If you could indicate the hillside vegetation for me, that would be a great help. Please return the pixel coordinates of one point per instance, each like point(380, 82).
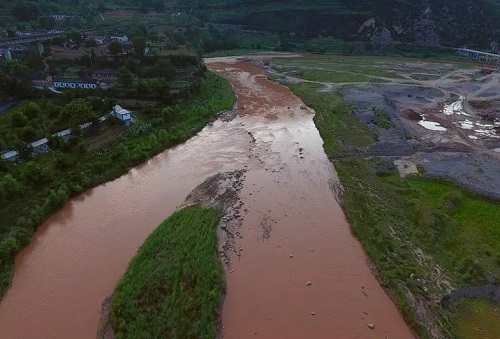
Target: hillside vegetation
point(443, 22)
point(424, 23)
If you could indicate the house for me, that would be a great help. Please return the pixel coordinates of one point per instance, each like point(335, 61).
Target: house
point(75, 83)
point(63, 134)
point(10, 155)
point(118, 15)
point(105, 74)
point(40, 80)
point(106, 83)
point(6, 54)
point(123, 38)
point(40, 146)
point(100, 40)
point(59, 17)
point(122, 114)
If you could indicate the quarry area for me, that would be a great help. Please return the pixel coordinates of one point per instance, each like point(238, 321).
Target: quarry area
point(442, 117)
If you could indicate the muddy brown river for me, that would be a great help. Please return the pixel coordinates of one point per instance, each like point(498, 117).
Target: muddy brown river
point(293, 232)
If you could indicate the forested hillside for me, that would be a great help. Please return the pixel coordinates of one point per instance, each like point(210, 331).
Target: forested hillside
point(429, 23)
point(436, 22)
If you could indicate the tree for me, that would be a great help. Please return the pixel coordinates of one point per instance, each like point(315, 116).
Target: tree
point(75, 36)
point(55, 142)
point(126, 77)
point(34, 60)
point(91, 43)
point(179, 38)
point(26, 11)
point(115, 48)
point(139, 45)
point(77, 111)
point(53, 70)
point(159, 87)
point(18, 119)
point(47, 22)
point(33, 173)
point(159, 5)
point(31, 110)
point(163, 69)
point(131, 65)
point(62, 161)
point(28, 134)
point(121, 153)
point(52, 110)
point(9, 187)
point(57, 198)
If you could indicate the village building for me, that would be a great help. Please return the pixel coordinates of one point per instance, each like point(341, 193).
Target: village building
point(105, 74)
point(40, 146)
point(100, 40)
point(122, 114)
point(76, 83)
point(123, 38)
point(5, 53)
point(40, 80)
point(116, 15)
point(59, 17)
point(10, 155)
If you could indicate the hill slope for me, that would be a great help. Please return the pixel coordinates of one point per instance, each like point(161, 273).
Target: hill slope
point(436, 22)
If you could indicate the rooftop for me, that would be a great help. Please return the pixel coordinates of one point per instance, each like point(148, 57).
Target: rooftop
point(76, 80)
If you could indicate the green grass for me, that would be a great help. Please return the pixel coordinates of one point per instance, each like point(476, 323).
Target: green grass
point(236, 52)
point(173, 286)
point(479, 320)
point(331, 76)
point(382, 120)
point(340, 69)
point(379, 218)
point(460, 230)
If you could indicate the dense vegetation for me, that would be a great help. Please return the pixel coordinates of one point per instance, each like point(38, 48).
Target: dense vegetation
point(32, 190)
point(452, 22)
point(426, 23)
point(173, 286)
point(395, 219)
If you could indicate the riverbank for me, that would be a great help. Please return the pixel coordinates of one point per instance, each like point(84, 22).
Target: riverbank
point(425, 237)
point(23, 216)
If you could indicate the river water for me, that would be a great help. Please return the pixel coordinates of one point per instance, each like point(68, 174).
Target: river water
point(293, 232)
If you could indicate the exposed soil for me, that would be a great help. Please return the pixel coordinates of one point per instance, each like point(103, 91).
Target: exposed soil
point(472, 127)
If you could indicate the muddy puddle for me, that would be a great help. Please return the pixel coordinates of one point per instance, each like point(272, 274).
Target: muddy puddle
point(293, 232)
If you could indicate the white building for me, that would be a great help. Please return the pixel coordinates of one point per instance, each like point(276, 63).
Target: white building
point(120, 38)
point(10, 155)
point(122, 114)
point(75, 83)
